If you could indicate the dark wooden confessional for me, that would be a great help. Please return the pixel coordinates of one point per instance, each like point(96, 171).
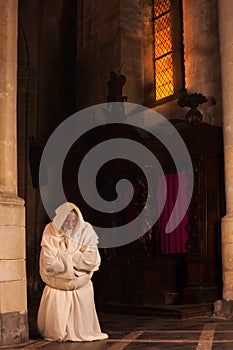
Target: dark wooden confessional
point(157, 269)
point(147, 273)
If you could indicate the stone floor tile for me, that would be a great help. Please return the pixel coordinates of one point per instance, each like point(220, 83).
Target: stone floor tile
point(133, 332)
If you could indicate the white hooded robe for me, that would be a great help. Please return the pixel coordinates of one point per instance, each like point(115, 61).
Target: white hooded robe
point(67, 308)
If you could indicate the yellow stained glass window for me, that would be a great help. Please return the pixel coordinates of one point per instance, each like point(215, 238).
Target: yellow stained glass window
point(164, 71)
point(161, 6)
point(164, 84)
point(164, 77)
point(162, 30)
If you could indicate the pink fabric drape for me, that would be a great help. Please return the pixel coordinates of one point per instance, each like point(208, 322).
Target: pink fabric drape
point(175, 241)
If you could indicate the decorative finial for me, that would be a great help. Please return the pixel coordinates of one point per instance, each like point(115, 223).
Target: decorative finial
point(115, 86)
point(192, 101)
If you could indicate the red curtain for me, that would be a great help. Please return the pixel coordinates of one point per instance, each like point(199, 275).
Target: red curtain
point(174, 242)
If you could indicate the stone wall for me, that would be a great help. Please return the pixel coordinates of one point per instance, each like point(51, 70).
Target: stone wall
point(109, 37)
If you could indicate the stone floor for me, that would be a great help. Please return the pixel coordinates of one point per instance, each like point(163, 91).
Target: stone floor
point(130, 331)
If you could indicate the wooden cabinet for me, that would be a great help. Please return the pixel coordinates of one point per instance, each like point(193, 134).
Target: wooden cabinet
point(206, 210)
point(139, 273)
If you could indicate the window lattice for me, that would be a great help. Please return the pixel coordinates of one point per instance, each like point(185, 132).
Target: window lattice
point(164, 77)
point(162, 30)
point(163, 66)
point(161, 6)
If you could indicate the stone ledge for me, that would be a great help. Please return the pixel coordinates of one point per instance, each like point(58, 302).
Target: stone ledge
point(175, 311)
point(10, 198)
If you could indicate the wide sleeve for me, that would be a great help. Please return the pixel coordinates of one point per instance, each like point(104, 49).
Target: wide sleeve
point(53, 257)
point(51, 261)
point(87, 261)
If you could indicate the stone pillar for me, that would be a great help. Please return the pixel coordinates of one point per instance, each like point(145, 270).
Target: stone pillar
point(13, 296)
point(226, 51)
point(202, 61)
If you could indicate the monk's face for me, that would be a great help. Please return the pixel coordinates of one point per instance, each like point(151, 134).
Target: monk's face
point(70, 222)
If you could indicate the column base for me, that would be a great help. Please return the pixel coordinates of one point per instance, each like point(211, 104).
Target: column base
point(223, 309)
point(14, 329)
point(227, 256)
point(13, 282)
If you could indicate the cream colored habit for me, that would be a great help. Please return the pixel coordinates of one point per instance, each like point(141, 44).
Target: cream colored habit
point(67, 261)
